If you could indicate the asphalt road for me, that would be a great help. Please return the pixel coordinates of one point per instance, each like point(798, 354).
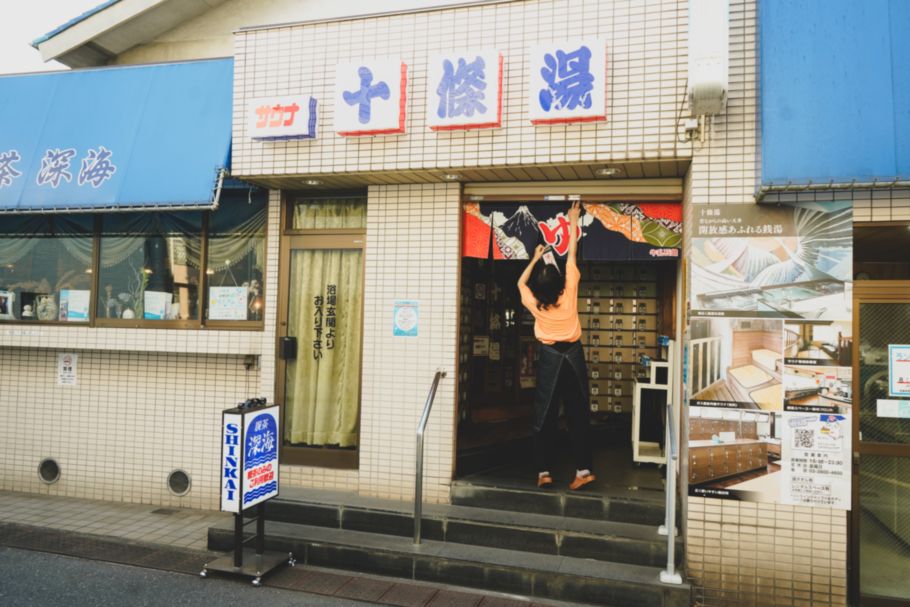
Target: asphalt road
point(35, 579)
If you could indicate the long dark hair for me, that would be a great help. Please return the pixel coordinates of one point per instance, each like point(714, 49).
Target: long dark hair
point(547, 286)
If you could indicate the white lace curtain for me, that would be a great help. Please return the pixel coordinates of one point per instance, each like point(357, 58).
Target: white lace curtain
point(124, 234)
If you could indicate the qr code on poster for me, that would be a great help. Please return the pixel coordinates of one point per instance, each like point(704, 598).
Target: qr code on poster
point(803, 438)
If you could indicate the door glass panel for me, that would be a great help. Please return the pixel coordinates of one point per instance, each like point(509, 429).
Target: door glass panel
point(322, 404)
point(884, 526)
point(880, 324)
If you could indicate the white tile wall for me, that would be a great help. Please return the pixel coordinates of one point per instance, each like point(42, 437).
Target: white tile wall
point(868, 205)
point(131, 419)
point(413, 248)
point(646, 51)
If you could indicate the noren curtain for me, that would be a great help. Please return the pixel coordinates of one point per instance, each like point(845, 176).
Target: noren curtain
point(323, 383)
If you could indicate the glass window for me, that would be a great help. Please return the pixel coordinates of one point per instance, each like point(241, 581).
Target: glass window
point(150, 266)
point(236, 259)
point(45, 268)
point(329, 214)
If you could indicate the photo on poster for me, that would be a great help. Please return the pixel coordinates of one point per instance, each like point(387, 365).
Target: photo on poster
point(776, 261)
point(819, 343)
point(736, 363)
point(814, 388)
point(734, 454)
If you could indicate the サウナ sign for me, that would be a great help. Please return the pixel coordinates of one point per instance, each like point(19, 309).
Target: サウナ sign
point(291, 117)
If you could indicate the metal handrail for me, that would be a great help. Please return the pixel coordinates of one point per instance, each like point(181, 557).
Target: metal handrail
point(670, 575)
point(418, 479)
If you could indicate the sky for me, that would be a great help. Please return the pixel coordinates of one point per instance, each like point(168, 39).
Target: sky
point(25, 20)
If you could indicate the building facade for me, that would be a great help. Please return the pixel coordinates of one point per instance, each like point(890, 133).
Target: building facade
point(373, 229)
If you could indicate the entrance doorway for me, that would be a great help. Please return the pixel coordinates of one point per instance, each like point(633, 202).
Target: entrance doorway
point(624, 305)
point(320, 327)
point(880, 526)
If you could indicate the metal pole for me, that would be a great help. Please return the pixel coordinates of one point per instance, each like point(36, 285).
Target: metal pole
point(418, 475)
point(418, 489)
point(260, 528)
point(670, 575)
point(238, 539)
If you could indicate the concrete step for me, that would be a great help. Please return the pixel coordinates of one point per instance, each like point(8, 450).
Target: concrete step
point(538, 575)
point(527, 532)
point(618, 505)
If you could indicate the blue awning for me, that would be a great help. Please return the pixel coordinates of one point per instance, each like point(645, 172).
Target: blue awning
point(120, 138)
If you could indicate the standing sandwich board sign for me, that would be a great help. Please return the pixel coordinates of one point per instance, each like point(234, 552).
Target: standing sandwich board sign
point(249, 457)
point(249, 476)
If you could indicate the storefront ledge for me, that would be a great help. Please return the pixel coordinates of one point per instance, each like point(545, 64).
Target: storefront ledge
point(132, 340)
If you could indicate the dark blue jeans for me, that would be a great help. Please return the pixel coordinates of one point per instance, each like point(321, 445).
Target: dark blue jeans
point(562, 375)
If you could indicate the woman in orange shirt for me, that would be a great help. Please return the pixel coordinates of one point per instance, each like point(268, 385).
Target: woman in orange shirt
point(561, 370)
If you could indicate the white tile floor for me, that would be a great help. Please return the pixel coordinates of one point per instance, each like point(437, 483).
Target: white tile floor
point(183, 528)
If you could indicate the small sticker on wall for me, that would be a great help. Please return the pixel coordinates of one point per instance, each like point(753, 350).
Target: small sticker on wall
point(66, 369)
point(405, 318)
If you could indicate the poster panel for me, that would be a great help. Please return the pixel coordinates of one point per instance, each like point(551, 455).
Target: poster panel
point(773, 261)
point(816, 452)
point(770, 342)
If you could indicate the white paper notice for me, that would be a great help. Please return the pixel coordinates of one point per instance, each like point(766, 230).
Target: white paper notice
point(899, 409)
point(156, 305)
point(74, 305)
point(66, 369)
point(815, 464)
point(227, 303)
point(899, 370)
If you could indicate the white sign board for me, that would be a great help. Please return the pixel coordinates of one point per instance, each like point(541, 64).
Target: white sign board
point(291, 117)
point(230, 461)
point(260, 456)
point(228, 303)
point(249, 457)
point(66, 369)
point(464, 90)
point(899, 370)
point(567, 81)
point(815, 460)
point(370, 97)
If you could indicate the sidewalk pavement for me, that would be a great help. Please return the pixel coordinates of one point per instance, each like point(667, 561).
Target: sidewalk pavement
point(175, 539)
